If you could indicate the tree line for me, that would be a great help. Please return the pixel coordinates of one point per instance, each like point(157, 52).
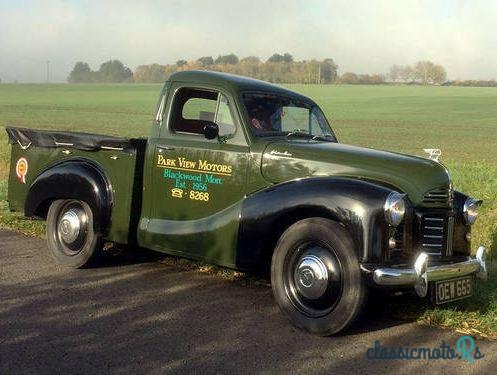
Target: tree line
point(472, 83)
point(110, 71)
point(424, 72)
point(278, 68)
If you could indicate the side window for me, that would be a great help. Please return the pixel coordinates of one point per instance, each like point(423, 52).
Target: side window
point(190, 108)
point(193, 107)
point(199, 109)
point(223, 117)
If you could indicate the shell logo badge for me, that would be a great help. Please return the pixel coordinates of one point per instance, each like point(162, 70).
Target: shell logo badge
point(22, 169)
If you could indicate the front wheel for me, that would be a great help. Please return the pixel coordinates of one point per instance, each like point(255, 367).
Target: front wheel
point(71, 238)
point(316, 278)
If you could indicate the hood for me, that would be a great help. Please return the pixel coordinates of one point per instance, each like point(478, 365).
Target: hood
point(415, 176)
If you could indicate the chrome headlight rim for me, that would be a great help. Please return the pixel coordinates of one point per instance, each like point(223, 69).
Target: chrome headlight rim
point(470, 210)
point(395, 208)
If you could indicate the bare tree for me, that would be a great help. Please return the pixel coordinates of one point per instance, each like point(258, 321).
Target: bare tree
point(429, 73)
point(406, 73)
point(394, 73)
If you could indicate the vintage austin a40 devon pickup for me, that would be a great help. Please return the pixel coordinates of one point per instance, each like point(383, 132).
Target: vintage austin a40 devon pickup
point(249, 175)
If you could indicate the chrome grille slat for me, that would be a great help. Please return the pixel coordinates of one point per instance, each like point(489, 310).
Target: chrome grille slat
point(438, 196)
point(433, 233)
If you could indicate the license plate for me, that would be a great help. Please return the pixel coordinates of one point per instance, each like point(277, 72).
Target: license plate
point(454, 289)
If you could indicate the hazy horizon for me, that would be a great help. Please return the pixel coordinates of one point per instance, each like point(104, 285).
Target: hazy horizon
point(362, 36)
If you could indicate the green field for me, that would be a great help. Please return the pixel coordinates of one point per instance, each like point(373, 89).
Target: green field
point(462, 121)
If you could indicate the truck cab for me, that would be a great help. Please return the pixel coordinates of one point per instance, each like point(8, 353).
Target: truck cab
point(249, 175)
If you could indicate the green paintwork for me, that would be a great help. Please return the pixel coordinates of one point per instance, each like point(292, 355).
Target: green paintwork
point(409, 174)
point(197, 229)
point(40, 159)
point(208, 229)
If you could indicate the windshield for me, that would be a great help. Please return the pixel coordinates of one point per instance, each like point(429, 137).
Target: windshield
point(271, 114)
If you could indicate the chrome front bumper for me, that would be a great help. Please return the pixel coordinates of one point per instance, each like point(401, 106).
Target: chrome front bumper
point(421, 274)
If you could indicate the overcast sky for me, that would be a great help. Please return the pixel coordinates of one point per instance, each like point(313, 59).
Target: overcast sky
point(363, 36)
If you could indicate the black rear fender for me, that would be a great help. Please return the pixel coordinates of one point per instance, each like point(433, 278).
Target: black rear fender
point(80, 180)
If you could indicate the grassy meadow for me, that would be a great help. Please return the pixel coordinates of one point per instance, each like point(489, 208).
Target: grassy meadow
point(462, 121)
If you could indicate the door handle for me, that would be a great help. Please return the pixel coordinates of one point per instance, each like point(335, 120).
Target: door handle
point(165, 148)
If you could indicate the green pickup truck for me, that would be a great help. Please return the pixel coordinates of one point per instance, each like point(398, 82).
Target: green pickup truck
point(250, 176)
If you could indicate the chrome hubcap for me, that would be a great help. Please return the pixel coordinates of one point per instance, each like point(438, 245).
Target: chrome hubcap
point(311, 277)
point(70, 225)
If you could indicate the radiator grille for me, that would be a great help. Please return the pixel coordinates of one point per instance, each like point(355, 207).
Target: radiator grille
point(440, 196)
point(433, 233)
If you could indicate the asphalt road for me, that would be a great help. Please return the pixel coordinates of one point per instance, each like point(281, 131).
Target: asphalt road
point(141, 314)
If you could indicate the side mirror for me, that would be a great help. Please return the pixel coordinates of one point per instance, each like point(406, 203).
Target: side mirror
point(211, 130)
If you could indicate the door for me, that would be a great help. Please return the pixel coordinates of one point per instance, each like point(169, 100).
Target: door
point(198, 184)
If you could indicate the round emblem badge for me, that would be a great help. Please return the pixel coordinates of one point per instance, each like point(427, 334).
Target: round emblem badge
point(22, 169)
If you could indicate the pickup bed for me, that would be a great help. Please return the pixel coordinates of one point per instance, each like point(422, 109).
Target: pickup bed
point(249, 175)
point(119, 162)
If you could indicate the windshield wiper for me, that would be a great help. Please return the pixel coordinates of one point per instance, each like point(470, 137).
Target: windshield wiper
point(298, 134)
point(326, 138)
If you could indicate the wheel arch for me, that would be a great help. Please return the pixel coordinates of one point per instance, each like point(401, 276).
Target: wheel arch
point(74, 179)
point(355, 204)
point(285, 220)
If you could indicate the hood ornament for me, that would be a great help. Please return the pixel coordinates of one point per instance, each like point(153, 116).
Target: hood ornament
point(433, 153)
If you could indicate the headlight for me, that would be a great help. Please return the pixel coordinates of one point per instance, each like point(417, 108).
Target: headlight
point(470, 210)
point(395, 208)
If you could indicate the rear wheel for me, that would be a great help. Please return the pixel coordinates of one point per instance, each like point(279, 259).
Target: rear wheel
point(316, 278)
point(72, 241)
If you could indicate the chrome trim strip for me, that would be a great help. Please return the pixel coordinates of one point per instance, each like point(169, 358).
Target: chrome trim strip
point(24, 147)
point(111, 148)
point(63, 144)
point(277, 153)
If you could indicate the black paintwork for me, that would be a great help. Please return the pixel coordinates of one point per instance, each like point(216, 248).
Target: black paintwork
point(71, 179)
point(80, 141)
point(137, 195)
point(357, 204)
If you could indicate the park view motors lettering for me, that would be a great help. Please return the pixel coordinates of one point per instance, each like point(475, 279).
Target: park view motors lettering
point(182, 163)
point(197, 181)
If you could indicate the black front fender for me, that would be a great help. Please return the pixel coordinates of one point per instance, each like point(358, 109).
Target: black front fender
point(76, 179)
point(357, 204)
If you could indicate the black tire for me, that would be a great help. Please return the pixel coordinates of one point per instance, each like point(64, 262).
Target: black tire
point(306, 252)
point(69, 246)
